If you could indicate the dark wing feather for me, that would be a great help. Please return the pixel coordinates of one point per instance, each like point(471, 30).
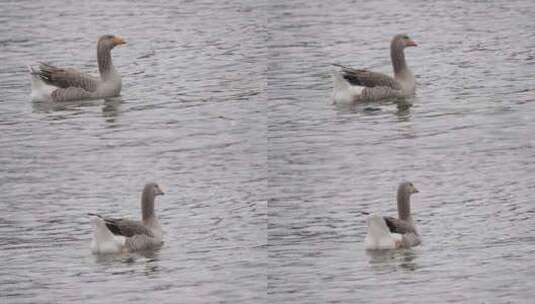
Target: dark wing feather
point(399, 226)
point(367, 78)
point(66, 78)
point(127, 228)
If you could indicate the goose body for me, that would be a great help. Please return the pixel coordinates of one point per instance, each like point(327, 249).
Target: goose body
point(113, 235)
point(50, 83)
point(392, 233)
point(357, 85)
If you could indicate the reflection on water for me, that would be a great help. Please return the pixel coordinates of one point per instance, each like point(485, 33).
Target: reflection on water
point(401, 108)
point(194, 115)
point(110, 110)
point(190, 116)
point(74, 107)
point(149, 259)
point(391, 260)
point(148, 255)
point(454, 140)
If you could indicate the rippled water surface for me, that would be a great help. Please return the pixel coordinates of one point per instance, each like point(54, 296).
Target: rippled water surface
point(190, 117)
point(226, 104)
point(467, 143)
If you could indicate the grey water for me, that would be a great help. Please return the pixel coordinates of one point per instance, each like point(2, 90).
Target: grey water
point(226, 104)
point(190, 117)
point(467, 143)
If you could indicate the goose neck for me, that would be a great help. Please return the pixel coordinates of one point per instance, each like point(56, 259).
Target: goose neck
point(398, 59)
point(105, 65)
point(404, 205)
point(147, 206)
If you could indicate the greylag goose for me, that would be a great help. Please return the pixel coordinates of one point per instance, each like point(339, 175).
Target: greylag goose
point(391, 233)
point(354, 85)
point(120, 235)
point(50, 83)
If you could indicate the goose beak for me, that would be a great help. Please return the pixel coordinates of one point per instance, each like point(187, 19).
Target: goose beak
point(158, 191)
point(118, 40)
point(414, 190)
point(411, 43)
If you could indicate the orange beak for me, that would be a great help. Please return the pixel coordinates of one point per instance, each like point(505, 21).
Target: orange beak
point(411, 43)
point(118, 40)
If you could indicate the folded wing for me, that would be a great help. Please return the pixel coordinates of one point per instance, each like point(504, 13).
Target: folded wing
point(399, 226)
point(66, 78)
point(367, 78)
point(127, 228)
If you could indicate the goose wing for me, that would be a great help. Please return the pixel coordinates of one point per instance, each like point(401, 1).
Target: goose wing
point(127, 228)
point(365, 78)
point(124, 227)
point(66, 78)
point(399, 226)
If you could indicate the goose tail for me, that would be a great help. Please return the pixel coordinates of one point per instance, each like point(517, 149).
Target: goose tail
point(379, 236)
point(104, 241)
point(343, 91)
point(40, 91)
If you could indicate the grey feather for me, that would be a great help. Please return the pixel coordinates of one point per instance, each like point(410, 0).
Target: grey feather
point(399, 226)
point(137, 235)
point(379, 92)
point(72, 84)
point(71, 93)
point(142, 242)
point(410, 240)
point(367, 78)
point(66, 78)
point(127, 228)
point(353, 85)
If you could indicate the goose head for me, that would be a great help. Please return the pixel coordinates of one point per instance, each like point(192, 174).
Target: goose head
point(402, 41)
point(153, 189)
point(407, 188)
point(110, 41)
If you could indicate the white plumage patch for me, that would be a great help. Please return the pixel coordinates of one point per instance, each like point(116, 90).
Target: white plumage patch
point(379, 236)
point(343, 91)
point(104, 241)
point(40, 90)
